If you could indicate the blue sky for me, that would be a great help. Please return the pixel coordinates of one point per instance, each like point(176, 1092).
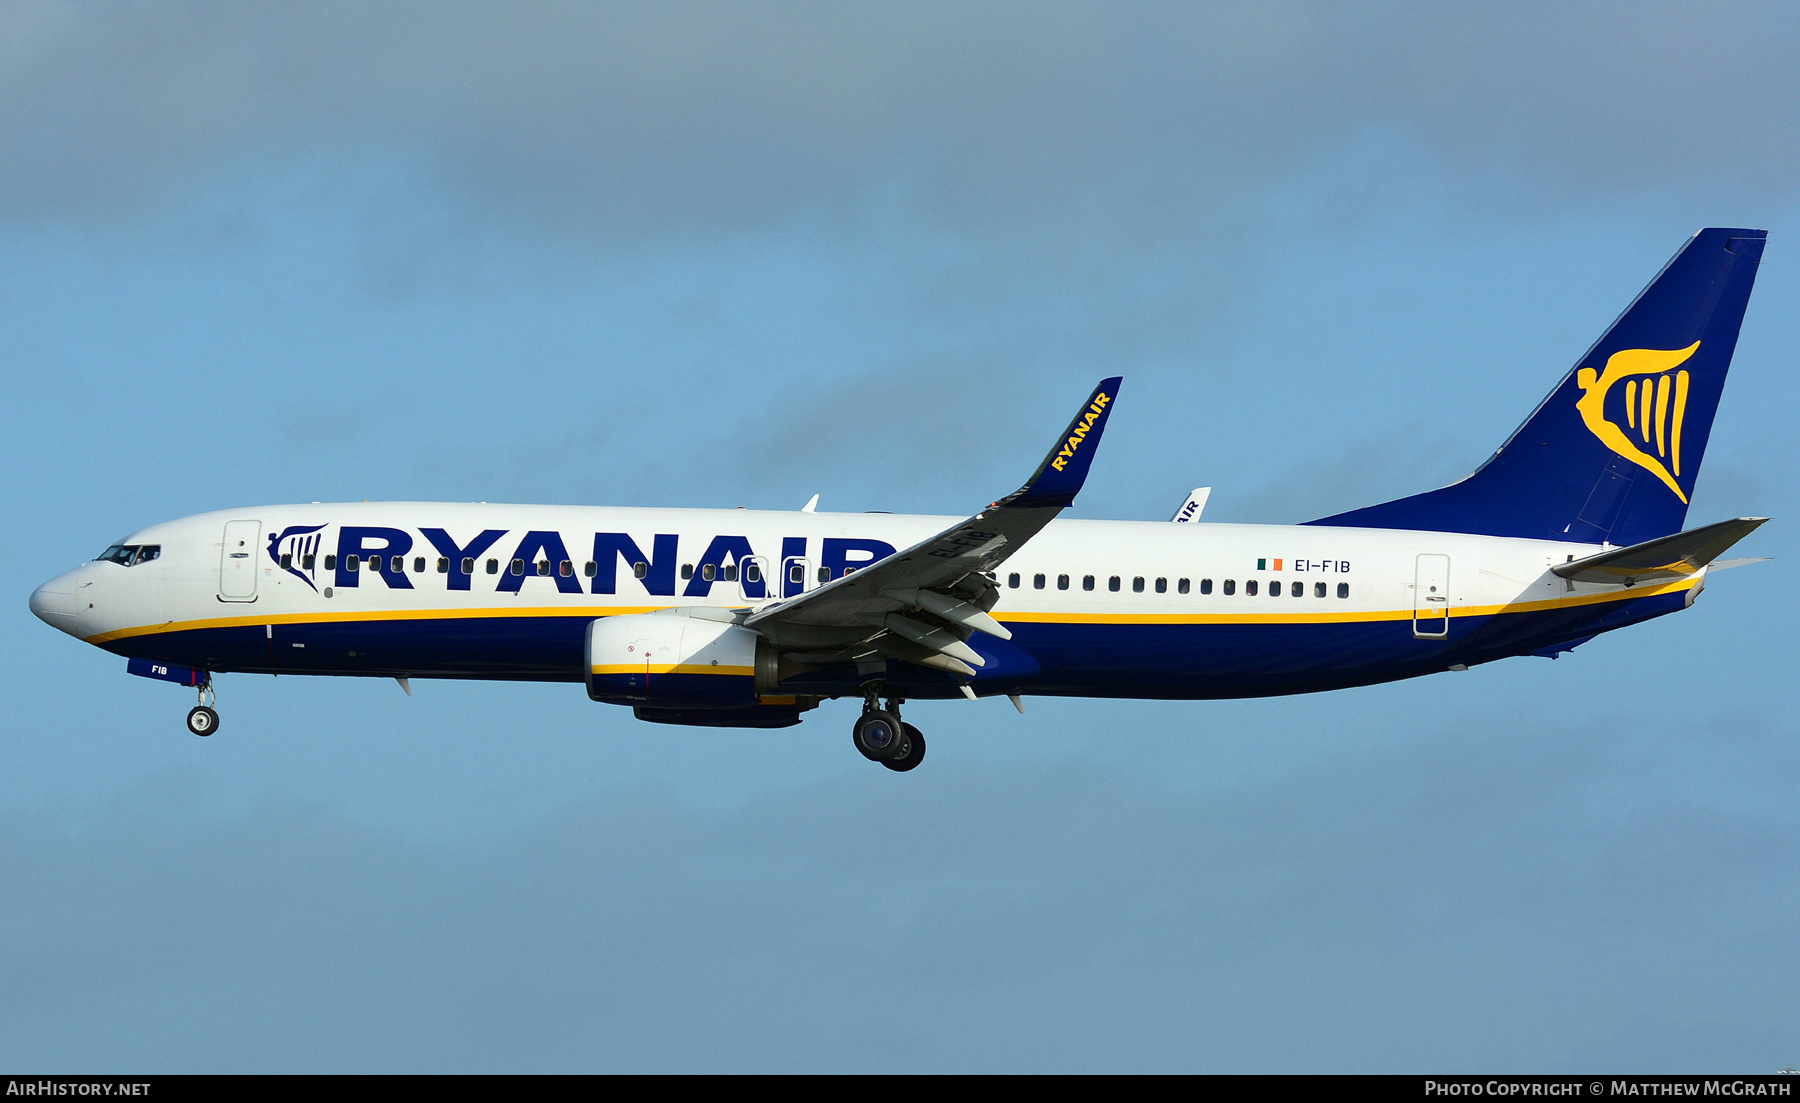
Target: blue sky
point(703, 256)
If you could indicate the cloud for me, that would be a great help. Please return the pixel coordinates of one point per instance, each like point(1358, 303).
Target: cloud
point(1483, 899)
point(659, 119)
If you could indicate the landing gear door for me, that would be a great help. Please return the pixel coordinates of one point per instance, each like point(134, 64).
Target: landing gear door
point(237, 561)
point(1431, 597)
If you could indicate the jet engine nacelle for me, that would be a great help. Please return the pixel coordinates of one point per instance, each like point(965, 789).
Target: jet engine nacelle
point(677, 660)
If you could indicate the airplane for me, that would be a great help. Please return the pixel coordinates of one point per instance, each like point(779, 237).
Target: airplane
point(750, 618)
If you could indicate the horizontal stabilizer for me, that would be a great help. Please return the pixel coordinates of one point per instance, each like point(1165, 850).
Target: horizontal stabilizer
point(1727, 564)
point(1666, 557)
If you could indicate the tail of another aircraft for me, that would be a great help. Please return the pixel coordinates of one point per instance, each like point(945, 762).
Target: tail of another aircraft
point(1611, 455)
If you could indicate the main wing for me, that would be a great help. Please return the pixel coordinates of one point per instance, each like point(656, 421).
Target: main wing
point(920, 605)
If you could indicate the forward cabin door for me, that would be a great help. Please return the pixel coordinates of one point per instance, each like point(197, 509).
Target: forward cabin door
point(1431, 597)
point(237, 561)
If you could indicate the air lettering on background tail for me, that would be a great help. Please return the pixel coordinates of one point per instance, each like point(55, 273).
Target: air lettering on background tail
point(1654, 410)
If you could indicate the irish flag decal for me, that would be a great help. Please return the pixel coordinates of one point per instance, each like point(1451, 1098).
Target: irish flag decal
point(1263, 565)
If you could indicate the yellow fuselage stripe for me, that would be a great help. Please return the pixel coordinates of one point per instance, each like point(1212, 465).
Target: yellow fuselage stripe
point(375, 615)
point(1271, 617)
point(674, 668)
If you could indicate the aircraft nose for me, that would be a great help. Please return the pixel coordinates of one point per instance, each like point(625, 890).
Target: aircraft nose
point(54, 603)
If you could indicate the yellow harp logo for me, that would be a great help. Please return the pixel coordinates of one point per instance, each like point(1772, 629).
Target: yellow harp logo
point(1654, 406)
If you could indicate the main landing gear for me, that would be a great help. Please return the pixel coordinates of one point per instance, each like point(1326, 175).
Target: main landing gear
point(883, 737)
point(202, 719)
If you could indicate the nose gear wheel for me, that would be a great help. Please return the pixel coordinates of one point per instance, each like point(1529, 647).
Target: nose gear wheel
point(202, 719)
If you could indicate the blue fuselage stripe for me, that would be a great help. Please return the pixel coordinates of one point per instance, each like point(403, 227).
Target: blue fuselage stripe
point(1181, 661)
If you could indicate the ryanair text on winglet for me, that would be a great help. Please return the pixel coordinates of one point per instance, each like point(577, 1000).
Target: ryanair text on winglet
point(1094, 411)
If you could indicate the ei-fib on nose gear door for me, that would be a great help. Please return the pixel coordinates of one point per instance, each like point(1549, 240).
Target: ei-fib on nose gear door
point(237, 561)
point(1431, 597)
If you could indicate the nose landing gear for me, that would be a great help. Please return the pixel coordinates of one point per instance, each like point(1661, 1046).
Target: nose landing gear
point(202, 719)
point(883, 737)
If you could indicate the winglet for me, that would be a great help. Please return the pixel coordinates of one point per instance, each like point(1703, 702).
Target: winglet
point(1058, 479)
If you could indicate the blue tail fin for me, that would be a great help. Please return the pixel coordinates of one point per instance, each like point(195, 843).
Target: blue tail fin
point(1611, 455)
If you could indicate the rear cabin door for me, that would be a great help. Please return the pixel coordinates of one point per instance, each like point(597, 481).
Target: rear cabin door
point(1431, 597)
point(237, 561)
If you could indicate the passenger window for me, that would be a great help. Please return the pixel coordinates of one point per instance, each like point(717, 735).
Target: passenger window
point(729, 572)
point(1113, 584)
point(418, 564)
point(687, 570)
point(824, 575)
point(1230, 586)
point(1162, 586)
point(1087, 581)
point(1137, 584)
point(287, 561)
point(1062, 581)
point(1343, 589)
point(1182, 586)
point(306, 562)
point(518, 567)
point(797, 574)
point(1275, 588)
point(352, 563)
point(493, 566)
point(1318, 589)
point(399, 564)
point(708, 572)
point(331, 562)
point(543, 568)
point(752, 572)
point(1012, 580)
point(444, 565)
point(567, 569)
point(374, 563)
point(1037, 581)
point(468, 565)
point(1206, 585)
point(1249, 587)
point(1298, 589)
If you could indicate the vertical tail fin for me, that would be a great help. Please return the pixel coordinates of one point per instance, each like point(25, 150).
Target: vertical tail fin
point(1611, 454)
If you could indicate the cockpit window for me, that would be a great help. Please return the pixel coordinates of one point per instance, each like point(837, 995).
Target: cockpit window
point(126, 555)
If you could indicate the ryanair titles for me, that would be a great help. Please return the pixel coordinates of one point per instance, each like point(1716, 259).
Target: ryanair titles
point(504, 560)
point(1080, 432)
